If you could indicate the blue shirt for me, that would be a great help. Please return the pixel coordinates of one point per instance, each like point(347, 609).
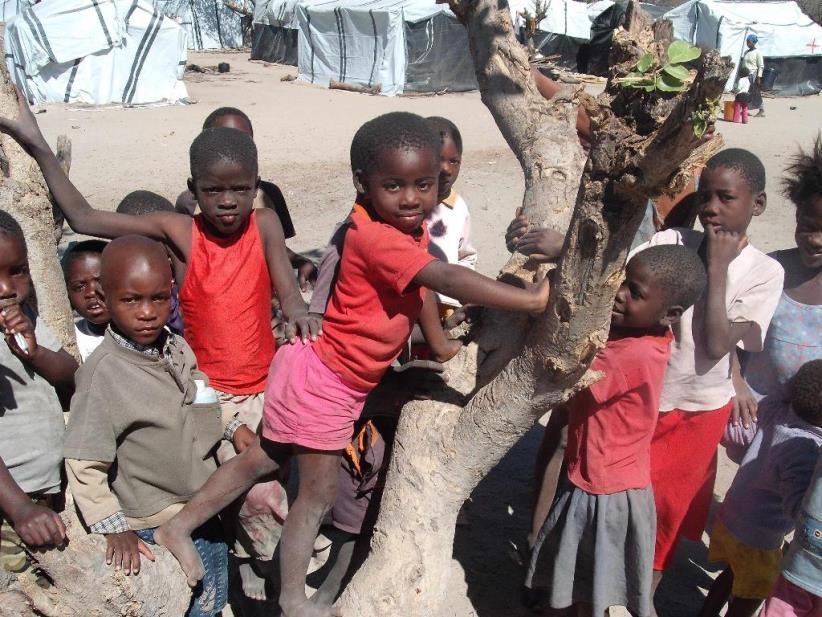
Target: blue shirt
point(803, 563)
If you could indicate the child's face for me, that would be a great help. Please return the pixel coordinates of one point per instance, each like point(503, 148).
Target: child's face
point(233, 122)
point(640, 302)
point(139, 300)
point(726, 200)
point(450, 161)
point(403, 188)
point(225, 192)
point(809, 233)
point(84, 291)
point(15, 280)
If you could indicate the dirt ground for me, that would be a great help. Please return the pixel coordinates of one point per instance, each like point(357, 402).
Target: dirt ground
point(303, 133)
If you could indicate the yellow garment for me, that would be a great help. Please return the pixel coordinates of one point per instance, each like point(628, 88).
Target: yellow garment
point(755, 570)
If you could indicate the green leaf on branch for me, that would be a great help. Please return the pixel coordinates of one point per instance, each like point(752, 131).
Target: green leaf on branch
point(645, 63)
point(677, 71)
point(680, 52)
point(667, 83)
point(704, 115)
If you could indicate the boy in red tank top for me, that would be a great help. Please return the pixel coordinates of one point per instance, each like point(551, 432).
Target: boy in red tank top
point(315, 391)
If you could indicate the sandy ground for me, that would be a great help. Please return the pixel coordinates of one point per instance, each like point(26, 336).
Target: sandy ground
point(303, 133)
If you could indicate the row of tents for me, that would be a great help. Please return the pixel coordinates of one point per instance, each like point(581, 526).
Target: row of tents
point(135, 51)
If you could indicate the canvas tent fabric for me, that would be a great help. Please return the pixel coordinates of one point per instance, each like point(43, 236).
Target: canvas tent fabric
point(275, 31)
point(96, 52)
point(209, 24)
point(403, 45)
point(10, 8)
point(784, 31)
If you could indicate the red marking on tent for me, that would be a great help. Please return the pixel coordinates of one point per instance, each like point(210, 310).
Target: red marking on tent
point(813, 46)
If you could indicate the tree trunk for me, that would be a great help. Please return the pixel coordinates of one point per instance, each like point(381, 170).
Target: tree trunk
point(443, 448)
point(24, 195)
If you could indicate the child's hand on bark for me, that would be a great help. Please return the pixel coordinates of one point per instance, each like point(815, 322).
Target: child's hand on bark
point(123, 551)
point(38, 526)
point(23, 129)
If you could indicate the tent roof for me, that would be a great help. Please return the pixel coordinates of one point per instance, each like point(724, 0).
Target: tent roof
point(284, 12)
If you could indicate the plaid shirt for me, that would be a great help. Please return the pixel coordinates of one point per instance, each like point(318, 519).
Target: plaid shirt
point(116, 523)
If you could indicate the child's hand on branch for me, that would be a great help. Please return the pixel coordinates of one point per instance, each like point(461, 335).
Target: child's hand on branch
point(541, 290)
point(306, 274)
point(123, 551)
point(38, 526)
point(723, 246)
point(467, 313)
point(541, 245)
point(516, 229)
point(24, 128)
point(14, 321)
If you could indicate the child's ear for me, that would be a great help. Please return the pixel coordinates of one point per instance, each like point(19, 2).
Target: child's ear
point(360, 182)
point(672, 315)
point(191, 186)
point(760, 202)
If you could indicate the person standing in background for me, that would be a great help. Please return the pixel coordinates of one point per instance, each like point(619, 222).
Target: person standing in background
point(753, 61)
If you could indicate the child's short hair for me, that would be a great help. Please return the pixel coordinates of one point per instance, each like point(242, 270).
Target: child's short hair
point(398, 130)
point(211, 119)
point(75, 249)
point(445, 128)
point(743, 161)
point(679, 272)
point(138, 203)
point(806, 392)
point(219, 145)
point(804, 181)
point(10, 227)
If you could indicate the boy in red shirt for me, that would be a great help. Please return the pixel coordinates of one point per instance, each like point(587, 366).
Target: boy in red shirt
point(316, 391)
point(600, 531)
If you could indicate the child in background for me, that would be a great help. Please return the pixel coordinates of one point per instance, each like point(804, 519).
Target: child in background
point(138, 203)
point(269, 196)
point(35, 370)
point(81, 270)
point(316, 391)
point(141, 408)
point(763, 501)
point(449, 223)
point(743, 97)
point(795, 334)
point(743, 290)
point(798, 591)
point(599, 533)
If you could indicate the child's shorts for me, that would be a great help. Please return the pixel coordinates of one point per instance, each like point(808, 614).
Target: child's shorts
point(789, 600)
point(306, 403)
point(755, 570)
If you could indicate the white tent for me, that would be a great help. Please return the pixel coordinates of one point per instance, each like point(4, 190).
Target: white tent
point(209, 23)
point(784, 31)
point(275, 31)
point(10, 8)
point(96, 52)
point(403, 45)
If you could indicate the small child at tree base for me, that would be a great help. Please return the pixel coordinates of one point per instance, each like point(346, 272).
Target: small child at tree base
point(81, 270)
point(798, 591)
point(599, 533)
point(316, 391)
point(140, 409)
point(743, 290)
point(36, 374)
point(743, 97)
point(763, 501)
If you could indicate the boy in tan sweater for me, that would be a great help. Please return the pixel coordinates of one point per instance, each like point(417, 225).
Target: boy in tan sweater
point(143, 427)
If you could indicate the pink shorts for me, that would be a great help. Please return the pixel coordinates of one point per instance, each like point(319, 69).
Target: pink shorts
point(789, 600)
point(306, 404)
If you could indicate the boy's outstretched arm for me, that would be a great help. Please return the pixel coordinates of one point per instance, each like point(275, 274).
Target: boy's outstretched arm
point(80, 215)
point(471, 287)
point(283, 280)
point(36, 525)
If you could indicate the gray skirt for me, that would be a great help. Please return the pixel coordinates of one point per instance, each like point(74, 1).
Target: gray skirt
point(599, 549)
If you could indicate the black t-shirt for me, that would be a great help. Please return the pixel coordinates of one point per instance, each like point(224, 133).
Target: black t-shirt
point(273, 192)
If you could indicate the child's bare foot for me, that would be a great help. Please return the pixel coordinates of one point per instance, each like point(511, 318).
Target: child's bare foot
point(183, 549)
point(309, 608)
point(253, 578)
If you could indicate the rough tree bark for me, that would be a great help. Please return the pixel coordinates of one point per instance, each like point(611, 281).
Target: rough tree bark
point(504, 379)
point(24, 195)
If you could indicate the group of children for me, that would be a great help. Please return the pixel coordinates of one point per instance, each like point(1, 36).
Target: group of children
point(187, 410)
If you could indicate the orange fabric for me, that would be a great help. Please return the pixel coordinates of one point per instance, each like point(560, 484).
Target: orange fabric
point(367, 436)
point(226, 303)
point(375, 302)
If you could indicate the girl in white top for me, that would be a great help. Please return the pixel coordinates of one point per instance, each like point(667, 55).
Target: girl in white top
point(449, 223)
point(81, 269)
